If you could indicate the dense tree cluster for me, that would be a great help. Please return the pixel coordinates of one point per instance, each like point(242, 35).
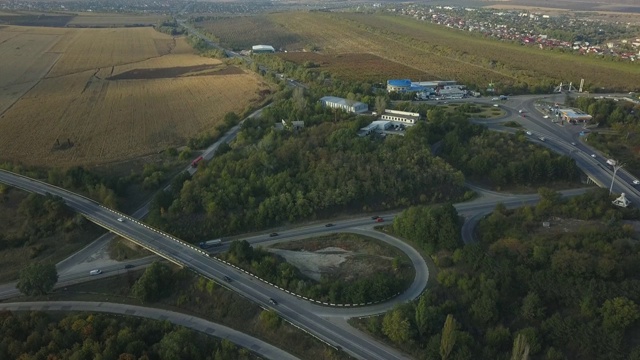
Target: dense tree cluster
point(276, 270)
point(432, 228)
point(79, 179)
point(273, 177)
point(204, 48)
point(623, 117)
point(37, 335)
point(201, 141)
point(505, 160)
point(154, 284)
point(40, 217)
point(607, 112)
point(565, 292)
point(170, 27)
point(37, 279)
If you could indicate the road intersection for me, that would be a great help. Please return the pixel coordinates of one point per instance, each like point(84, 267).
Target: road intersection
point(308, 315)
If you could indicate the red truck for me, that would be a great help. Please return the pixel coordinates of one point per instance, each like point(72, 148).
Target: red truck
point(195, 162)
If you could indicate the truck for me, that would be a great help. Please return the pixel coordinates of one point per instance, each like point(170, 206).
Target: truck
point(611, 162)
point(210, 243)
point(195, 162)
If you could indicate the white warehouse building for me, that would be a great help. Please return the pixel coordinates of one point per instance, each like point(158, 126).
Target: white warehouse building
point(344, 104)
point(409, 118)
point(258, 49)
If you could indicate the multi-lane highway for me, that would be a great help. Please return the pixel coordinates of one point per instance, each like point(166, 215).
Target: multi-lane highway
point(289, 307)
point(307, 315)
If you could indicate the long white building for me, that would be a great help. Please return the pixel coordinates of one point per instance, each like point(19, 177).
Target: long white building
point(343, 104)
point(406, 117)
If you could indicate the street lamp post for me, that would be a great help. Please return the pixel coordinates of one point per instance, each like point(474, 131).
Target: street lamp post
point(616, 167)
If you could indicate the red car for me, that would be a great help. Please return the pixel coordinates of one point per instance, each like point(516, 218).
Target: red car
point(379, 219)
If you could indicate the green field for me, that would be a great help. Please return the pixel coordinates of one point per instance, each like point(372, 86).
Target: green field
point(427, 51)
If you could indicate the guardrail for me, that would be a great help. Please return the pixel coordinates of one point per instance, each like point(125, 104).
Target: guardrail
point(171, 258)
point(45, 184)
point(300, 296)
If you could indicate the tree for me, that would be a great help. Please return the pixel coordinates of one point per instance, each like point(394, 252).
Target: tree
point(351, 99)
point(270, 319)
point(37, 279)
point(520, 348)
point(532, 307)
point(448, 339)
point(396, 326)
point(299, 101)
point(381, 104)
point(618, 313)
point(155, 283)
point(231, 119)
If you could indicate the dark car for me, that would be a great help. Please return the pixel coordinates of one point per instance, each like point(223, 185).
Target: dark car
point(227, 279)
point(374, 217)
point(378, 220)
point(129, 266)
point(329, 225)
point(272, 301)
point(273, 234)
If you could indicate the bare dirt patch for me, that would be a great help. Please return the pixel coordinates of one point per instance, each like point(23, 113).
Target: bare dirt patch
point(314, 264)
point(559, 225)
point(341, 256)
point(356, 66)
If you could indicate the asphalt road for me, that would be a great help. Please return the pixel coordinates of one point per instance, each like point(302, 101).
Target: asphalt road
point(289, 307)
point(300, 312)
point(79, 257)
point(210, 328)
point(559, 138)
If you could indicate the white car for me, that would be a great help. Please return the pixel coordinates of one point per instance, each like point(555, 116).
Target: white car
point(574, 144)
point(636, 182)
point(496, 105)
point(529, 133)
point(546, 116)
point(95, 272)
point(541, 138)
point(121, 219)
point(593, 156)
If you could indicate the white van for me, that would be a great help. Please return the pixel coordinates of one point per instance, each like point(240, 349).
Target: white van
point(95, 272)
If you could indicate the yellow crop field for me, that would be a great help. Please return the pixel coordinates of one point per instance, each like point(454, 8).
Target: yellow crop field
point(90, 109)
point(87, 49)
point(25, 58)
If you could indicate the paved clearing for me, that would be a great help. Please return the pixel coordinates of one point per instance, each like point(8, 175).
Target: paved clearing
point(315, 263)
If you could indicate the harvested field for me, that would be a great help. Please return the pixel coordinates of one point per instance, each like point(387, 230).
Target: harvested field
point(25, 57)
point(86, 49)
point(356, 67)
point(137, 99)
point(113, 20)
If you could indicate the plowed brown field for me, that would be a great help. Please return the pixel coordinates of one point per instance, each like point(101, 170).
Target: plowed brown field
point(95, 96)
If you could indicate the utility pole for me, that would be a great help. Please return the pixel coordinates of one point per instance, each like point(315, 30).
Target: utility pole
point(616, 167)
